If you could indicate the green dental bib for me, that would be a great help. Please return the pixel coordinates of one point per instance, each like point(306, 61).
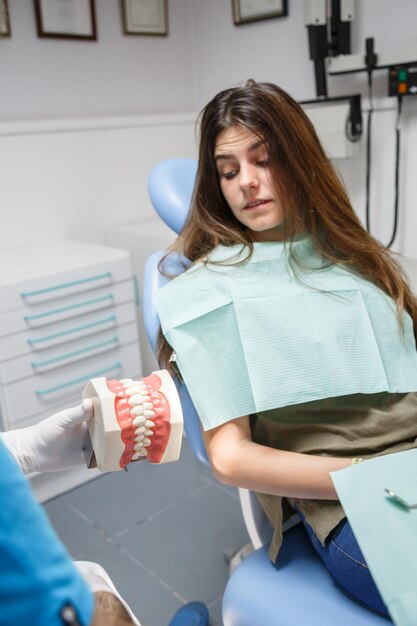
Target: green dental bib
point(272, 332)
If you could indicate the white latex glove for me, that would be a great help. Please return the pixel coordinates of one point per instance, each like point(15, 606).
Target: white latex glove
point(55, 443)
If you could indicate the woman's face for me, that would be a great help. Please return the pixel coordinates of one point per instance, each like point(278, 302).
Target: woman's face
point(242, 163)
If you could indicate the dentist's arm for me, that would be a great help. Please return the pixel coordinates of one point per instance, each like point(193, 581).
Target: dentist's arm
point(239, 461)
point(55, 443)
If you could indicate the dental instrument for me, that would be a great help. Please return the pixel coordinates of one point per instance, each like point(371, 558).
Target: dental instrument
point(399, 500)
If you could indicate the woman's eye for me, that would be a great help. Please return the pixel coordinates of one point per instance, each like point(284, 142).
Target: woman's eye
point(229, 175)
point(263, 163)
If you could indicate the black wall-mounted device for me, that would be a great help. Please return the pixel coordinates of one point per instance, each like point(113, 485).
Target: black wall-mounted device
point(402, 80)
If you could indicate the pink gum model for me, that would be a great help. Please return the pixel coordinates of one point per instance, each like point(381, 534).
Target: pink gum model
point(134, 420)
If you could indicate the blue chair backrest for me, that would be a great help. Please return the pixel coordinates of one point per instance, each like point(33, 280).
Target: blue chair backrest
point(170, 188)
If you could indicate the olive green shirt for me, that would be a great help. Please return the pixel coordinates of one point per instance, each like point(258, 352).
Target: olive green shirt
point(361, 425)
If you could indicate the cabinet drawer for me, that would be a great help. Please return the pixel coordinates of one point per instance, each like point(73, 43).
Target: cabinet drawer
point(37, 340)
point(45, 274)
point(45, 315)
point(61, 356)
point(48, 392)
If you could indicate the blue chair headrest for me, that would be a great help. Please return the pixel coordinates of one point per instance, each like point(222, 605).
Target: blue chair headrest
point(170, 188)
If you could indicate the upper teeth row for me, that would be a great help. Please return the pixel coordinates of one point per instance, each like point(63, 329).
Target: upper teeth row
point(142, 411)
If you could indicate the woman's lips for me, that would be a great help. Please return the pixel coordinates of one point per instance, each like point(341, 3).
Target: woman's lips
point(255, 204)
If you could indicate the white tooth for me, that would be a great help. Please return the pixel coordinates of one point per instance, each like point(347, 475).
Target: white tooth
point(150, 423)
point(147, 405)
point(128, 386)
point(133, 389)
point(149, 413)
point(148, 433)
point(137, 410)
point(145, 396)
point(139, 430)
point(126, 381)
point(144, 452)
point(135, 456)
point(138, 420)
point(138, 446)
point(135, 399)
point(146, 441)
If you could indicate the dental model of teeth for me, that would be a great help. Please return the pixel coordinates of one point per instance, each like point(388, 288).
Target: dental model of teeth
point(135, 420)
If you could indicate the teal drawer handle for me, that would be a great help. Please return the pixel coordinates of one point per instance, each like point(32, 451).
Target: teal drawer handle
point(28, 294)
point(106, 320)
point(68, 355)
point(136, 289)
point(28, 318)
point(76, 381)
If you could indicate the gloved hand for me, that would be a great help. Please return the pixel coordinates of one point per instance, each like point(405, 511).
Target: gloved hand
point(55, 443)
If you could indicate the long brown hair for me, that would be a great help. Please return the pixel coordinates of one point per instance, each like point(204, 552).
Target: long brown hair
point(311, 193)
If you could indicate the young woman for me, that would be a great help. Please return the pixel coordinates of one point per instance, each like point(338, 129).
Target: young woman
point(302, 324)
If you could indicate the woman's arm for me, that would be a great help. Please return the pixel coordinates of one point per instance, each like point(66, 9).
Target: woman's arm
point(237, 460)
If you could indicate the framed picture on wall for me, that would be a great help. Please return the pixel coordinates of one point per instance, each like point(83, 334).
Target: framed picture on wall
point(66, 19)
point(245, 11)
point(4, 19)
point(145, 17)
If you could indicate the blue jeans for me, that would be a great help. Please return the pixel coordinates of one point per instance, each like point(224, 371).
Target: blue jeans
point(344, 561)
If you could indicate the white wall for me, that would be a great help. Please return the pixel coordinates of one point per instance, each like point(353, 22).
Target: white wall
point(274, 50)
point(393, 26)
point(120, 76)
point(79, 123)
point(115, 75)
point(75, 179)
point(277, 49)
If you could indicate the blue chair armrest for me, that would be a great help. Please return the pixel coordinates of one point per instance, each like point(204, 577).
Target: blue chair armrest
point(154, 280)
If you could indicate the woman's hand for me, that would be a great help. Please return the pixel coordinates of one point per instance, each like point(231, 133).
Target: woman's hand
point(237, 460)
point(55, 443)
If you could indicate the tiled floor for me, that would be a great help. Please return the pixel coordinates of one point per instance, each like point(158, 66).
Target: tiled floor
point(160, 532)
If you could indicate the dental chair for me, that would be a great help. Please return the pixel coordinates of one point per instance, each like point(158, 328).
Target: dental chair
point(299, 592)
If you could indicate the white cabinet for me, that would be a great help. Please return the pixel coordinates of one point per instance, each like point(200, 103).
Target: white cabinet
point(68, 313)
point(142, 238)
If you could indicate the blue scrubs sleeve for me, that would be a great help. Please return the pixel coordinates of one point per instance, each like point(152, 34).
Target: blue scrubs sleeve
point(37, 577)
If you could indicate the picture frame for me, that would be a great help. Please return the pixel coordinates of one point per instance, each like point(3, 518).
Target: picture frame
point(145, 17)
point(72, 19)
point(246, 11)
point(5, 30)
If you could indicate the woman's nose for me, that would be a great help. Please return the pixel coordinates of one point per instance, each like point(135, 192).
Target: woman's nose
point(248, 177)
